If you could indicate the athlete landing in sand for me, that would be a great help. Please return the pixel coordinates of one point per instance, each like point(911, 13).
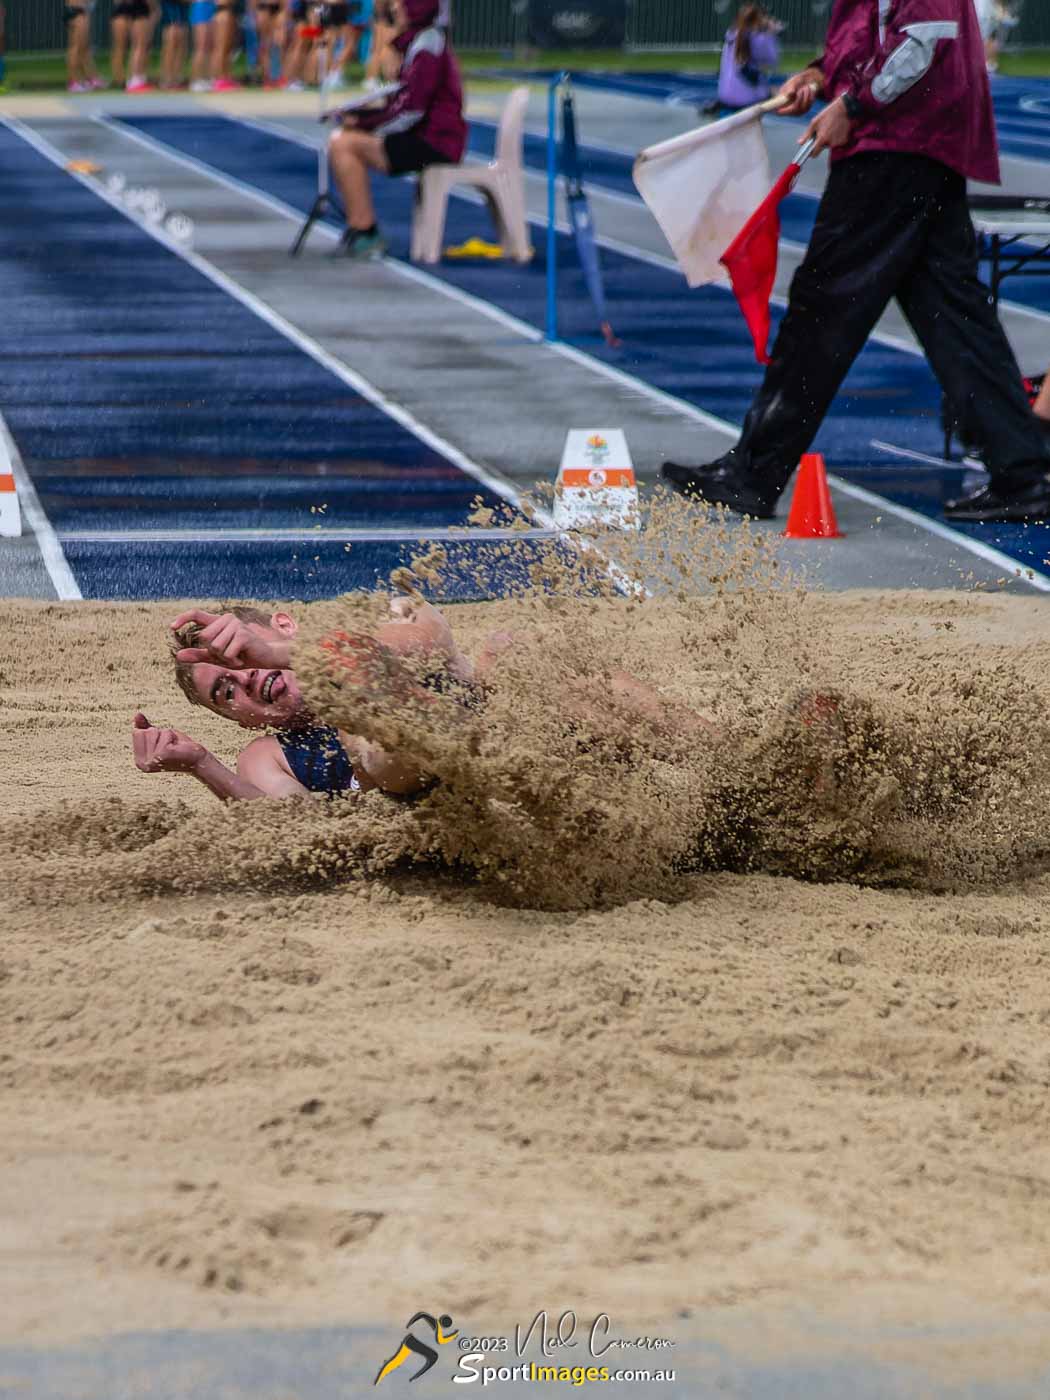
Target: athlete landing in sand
point(238, 665)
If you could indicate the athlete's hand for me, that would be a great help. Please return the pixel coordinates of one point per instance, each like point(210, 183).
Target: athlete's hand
point(832, 128)
point(225, 640)
point(163, 750)
point(802, 90)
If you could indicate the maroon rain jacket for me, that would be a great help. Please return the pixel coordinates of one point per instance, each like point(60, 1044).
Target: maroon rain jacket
point(917, 69)
point(430, 102)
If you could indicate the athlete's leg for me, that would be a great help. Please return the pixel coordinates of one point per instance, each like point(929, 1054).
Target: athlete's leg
point(201, 22)
point(120, 34)
point(264, 24)
point(141, 33)
point(79, 63)
point(225, 40)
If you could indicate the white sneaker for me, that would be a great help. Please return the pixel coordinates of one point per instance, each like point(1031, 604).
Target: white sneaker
point(334, 82)
point(200, 85)
point(295, 86)
point(372, 84)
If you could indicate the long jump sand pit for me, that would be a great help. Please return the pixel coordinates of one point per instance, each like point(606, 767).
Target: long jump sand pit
point(721, 1029)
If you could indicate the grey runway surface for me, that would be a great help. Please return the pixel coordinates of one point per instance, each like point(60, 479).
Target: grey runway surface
point(341, 1363)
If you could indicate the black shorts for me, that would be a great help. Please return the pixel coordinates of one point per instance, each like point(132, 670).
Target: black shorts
point(270, 7)
point(406, 152)
point(335, 16)
point(72, 12)
point(130, 9)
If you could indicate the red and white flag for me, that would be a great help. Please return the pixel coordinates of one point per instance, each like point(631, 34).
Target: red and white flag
point(700, 188)
point(751, 261)
point(703, 188)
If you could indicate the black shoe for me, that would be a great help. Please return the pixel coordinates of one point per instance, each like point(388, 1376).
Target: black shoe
point(1030, 503)
point(719, 484)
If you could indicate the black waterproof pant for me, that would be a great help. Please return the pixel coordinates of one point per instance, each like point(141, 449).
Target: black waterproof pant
point(892, 225)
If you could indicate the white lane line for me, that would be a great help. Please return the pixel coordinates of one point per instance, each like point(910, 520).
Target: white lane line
point(496, 483)
point(927, 457)
point(1009, 567)
point(624, 380)
point(54, 560)
point(322, 535)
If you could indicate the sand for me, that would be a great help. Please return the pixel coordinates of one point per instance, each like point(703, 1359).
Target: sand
point(249, 1077)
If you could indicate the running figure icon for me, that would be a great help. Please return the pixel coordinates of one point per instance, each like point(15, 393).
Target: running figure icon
point(413, 1346)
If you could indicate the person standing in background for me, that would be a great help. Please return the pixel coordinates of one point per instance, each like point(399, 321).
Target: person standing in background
point(750, 54)
point(298, 47)
point(131, 25)
point(80, 66)
point(202, 27)
point(267, 15)
point(174, 42)
point(384, 62)
point(224, 42)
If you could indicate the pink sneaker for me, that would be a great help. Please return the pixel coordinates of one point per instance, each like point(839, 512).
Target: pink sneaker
point(225, 85)
point(99, 83)
point(78, 87)
point(139, 85)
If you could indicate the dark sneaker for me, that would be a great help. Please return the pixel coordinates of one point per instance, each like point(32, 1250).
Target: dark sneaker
point(360, 246)
point(719, 484)
point(1029, 503)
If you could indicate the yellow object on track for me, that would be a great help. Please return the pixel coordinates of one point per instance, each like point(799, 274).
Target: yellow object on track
point(475, 248)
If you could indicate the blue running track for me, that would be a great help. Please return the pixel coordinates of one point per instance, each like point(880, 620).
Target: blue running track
point(691, 344)
point(144, 399)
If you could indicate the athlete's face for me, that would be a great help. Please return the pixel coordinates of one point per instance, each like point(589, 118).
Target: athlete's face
point(256, 697)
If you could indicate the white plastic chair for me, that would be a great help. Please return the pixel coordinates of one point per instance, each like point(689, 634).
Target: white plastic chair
point(502, 180)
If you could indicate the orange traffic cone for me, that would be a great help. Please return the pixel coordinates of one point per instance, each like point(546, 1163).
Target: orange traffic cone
point(812, 516)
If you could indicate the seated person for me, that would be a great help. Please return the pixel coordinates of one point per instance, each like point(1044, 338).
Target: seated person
point(421, 125)
point(750, 54)
point(237, 664)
